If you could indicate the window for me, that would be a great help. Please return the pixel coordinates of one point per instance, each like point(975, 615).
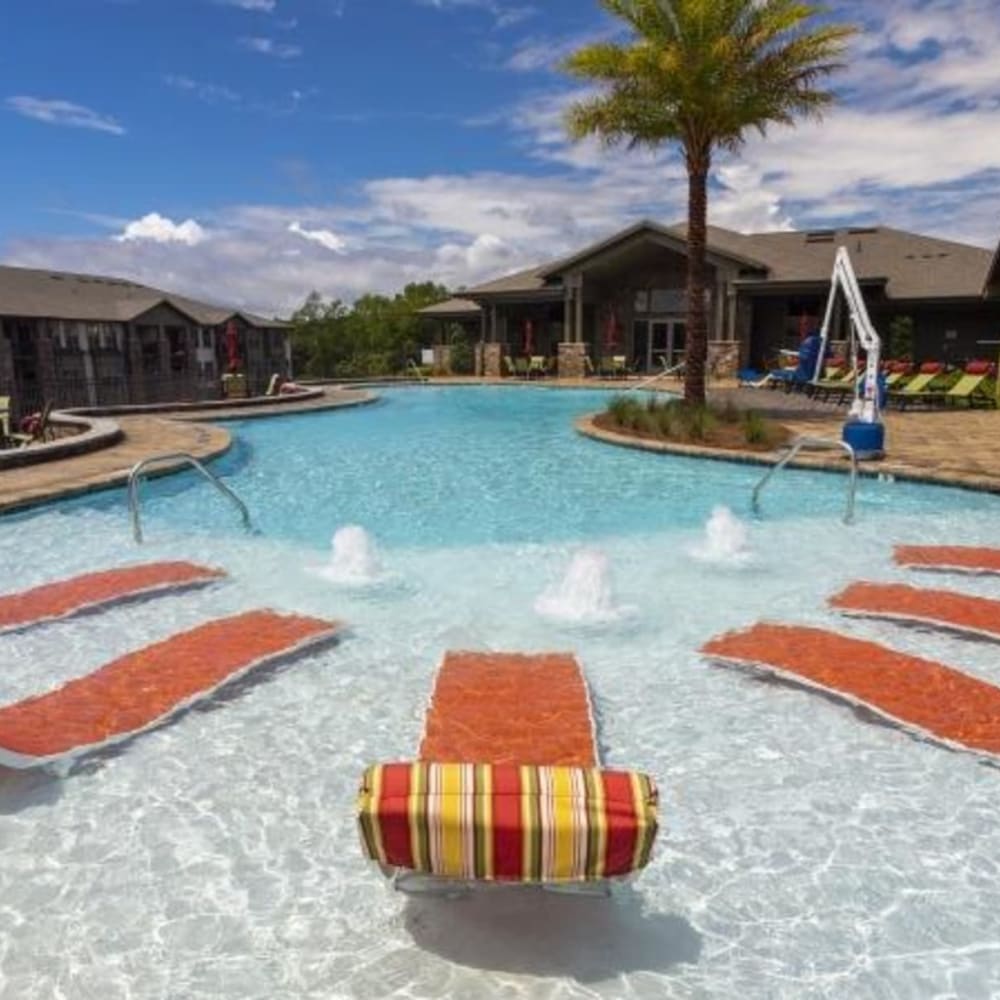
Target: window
point(149, 343)
point(206, 338)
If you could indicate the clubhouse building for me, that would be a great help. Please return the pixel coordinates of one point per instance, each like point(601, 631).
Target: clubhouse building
point(86, 340)
point(626, 296)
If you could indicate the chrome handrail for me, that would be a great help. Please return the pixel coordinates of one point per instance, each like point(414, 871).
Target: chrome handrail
point(178, 457)
point(656, 378)
point(814, 442)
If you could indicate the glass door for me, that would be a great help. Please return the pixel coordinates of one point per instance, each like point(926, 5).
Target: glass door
point(678, 343)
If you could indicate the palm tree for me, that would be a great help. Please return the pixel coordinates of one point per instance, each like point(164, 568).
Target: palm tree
point(702, 73)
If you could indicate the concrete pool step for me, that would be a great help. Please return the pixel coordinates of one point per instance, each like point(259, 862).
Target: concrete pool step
point(510, 708)
point(144, 688)
point(965, 614)
point(930, 699)
point(950, 559)
point(64, 598)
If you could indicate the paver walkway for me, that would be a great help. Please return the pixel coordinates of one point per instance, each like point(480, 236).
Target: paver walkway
point(144, 436)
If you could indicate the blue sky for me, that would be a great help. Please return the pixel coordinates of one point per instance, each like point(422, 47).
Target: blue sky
point(249, 151)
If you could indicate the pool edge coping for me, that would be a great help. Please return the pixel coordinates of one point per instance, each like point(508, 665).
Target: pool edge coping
point(587, 427)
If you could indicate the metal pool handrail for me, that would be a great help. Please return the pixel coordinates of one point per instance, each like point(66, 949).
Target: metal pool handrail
point(655, 378)
point(181, 457)
point(814, 442)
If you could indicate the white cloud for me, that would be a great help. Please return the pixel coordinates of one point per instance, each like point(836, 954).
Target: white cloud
point(210, 93)
point(504, 15)
point(58, 112)
point(269, 47)
point(264, 6)
point(324, 237)
point(156, 228)
point(929, 163)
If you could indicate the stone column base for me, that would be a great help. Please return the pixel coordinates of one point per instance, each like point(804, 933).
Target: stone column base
point(571, 360)
point(442, 359)
point(723, 358)
point(493, 360)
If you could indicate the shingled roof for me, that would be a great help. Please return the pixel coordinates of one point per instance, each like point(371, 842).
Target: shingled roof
point(911, 266)
point(36, 294)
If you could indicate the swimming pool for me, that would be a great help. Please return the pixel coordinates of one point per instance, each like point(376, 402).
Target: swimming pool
point(804, 851)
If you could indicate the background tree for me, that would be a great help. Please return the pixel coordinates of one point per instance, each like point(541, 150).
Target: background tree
point(375, 336)
point(702, 73)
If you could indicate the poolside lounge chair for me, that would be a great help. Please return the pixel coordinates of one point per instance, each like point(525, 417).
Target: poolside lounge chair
point(508, 787)
point(40, 428)
point(508, 363)
point(4, 420)
point(274, 386)
point(588, 366)
point(970, 387)
point(916, 389)
point(537, 365)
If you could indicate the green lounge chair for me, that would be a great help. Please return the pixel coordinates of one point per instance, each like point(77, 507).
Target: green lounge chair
point(918, 388)
point(970, 388)
point(4, 421)
point(511, 367)
point(840, 386)
point(538, 366)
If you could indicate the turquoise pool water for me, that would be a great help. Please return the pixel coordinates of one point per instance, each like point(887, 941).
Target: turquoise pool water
point(805, 851)
point(453, 467)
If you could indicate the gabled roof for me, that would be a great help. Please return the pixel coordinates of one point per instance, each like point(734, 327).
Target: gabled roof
point(95, 298)
point(993, 275)
point(913, 266)
point(451, 309)
point(719, 242)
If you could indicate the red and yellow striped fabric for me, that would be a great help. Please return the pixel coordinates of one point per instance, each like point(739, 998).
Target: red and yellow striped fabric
point(507, 822)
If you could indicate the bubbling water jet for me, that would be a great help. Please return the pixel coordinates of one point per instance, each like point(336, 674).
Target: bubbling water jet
point(726, 541)
point(584, 595)
point(354, 559)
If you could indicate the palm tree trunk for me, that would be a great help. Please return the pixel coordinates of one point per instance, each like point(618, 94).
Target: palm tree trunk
point(697, 324)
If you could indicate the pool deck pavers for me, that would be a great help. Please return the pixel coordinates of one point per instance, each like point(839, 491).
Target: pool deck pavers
point(957, 447)
point(146, 435)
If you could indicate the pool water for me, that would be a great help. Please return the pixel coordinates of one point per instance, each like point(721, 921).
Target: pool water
point(805, 851)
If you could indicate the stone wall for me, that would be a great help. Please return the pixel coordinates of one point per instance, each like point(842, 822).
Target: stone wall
point(723, 358)
point(571, 360)
point(442, 359)
point(493, 360)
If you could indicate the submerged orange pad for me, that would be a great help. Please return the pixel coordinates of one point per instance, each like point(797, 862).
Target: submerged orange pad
point(92, 590)
point(919, 694)
point(506, 708)
point(949, 558)
point(942, 608)
point(141, 688)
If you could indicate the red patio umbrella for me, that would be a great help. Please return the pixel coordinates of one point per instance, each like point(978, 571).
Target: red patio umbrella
point(529, 336)
point(611, 331)
point(233, 347)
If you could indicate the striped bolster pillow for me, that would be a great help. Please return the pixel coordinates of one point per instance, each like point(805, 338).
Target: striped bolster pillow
point(507, 822)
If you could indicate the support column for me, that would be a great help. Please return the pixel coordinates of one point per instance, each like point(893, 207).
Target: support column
point(568, 314)
point(571, 360)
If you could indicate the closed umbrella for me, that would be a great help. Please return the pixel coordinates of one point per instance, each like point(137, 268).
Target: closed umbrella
point(611, 331)
point(233, 347)
point(529, 336)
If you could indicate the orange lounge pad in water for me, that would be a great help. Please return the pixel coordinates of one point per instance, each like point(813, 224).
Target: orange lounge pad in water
point(945, 609)
point(923, 696)
point(64, 598)
point(949, 558)
point(507, 708)
point(145, 687)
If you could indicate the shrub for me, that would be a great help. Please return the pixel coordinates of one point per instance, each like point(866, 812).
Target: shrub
point(462, 360)
point(755, 428)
